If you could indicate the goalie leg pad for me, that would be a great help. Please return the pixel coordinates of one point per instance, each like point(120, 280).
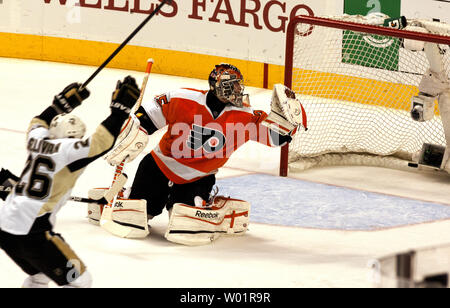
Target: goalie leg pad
point(127, 218)
point(193, 225)
point(103, 195)
point(94, 209)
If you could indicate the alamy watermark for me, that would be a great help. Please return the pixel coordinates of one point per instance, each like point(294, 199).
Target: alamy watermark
point(75, 270)
point(213, 140)
point(73, 15)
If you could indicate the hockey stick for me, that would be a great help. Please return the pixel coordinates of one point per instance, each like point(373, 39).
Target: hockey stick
point(136, 106)
point(127, 40)
point(144, 85)
point(109, 194)
point(101, 201)
point(106, 221)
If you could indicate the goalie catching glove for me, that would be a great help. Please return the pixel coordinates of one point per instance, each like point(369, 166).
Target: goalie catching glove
point(287, 113)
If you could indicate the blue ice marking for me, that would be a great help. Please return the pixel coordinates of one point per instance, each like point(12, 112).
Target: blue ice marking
point(292, 202)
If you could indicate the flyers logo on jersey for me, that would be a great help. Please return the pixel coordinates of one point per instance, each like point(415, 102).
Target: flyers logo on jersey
point(210, 140)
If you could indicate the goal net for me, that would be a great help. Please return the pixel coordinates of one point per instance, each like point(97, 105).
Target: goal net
point(356, 79)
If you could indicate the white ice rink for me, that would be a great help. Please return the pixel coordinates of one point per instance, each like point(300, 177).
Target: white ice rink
point(268, 256)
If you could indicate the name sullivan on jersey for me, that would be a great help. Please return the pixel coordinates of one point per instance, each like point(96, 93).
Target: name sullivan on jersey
point(42, 146)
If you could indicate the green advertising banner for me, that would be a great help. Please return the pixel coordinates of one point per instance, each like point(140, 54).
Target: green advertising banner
point(371, 50)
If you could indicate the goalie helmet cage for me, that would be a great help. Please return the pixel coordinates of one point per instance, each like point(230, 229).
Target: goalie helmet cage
point(356, 81)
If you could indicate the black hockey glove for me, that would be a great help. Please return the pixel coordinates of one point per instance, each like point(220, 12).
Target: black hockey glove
point(279, 139)
point(285, 138)
point(70, 98)
point(7, 182)
point(125, 96)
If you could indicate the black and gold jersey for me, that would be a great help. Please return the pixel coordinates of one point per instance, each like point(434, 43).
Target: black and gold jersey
point(51, 170)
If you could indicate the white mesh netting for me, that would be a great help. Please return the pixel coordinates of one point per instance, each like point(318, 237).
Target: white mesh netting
point(356, 89)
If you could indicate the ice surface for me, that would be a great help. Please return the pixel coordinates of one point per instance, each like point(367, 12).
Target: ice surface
point(293, 202)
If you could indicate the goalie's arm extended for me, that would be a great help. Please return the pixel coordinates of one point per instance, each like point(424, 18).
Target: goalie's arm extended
point(286, 115)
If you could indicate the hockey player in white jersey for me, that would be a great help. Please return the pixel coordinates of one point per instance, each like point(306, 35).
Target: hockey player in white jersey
point(57, 157)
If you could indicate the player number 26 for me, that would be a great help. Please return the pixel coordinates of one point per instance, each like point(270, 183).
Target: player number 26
point(39, 182)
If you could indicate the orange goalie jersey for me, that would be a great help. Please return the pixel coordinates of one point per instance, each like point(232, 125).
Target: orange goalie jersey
point(197, 142)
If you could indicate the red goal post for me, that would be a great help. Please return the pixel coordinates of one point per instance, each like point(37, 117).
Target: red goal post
point(329, 63)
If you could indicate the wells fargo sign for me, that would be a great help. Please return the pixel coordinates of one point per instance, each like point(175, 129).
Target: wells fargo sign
point(270, 15)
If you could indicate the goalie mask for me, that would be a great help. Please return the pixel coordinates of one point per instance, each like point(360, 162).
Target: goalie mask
point(67, 126)
point(226, 82)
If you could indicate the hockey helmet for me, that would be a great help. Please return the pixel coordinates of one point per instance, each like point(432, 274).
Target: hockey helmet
point(67, 126)
point(226, 82)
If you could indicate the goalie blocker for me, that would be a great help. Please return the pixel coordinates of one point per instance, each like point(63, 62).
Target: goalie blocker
point(131, 142)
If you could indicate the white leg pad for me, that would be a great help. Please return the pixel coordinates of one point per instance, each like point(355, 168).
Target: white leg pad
point(95, 209)
point(192, 226)
point(127, 218)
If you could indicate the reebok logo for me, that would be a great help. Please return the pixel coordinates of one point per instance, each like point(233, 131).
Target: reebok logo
point(209, 215)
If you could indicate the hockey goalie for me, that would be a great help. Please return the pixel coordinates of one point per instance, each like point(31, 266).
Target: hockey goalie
point(204, 129)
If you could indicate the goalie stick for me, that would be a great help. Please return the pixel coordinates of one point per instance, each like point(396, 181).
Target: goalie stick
point(106, 221)
point(109, 194)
